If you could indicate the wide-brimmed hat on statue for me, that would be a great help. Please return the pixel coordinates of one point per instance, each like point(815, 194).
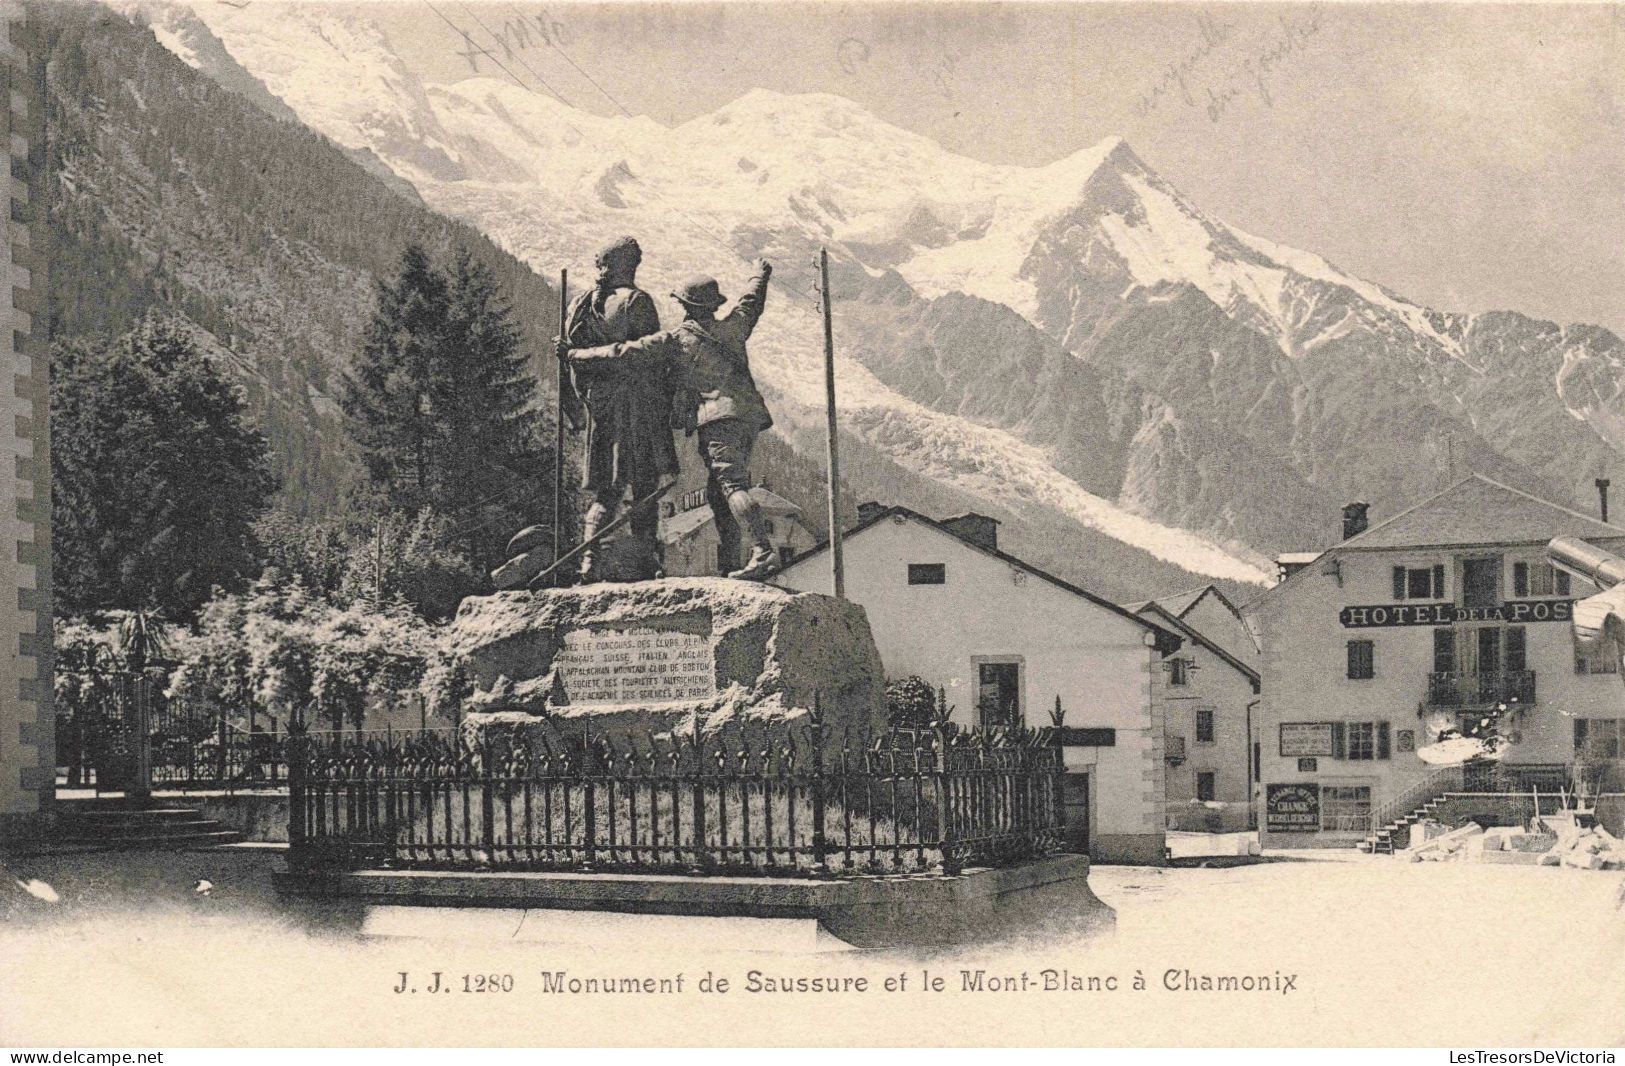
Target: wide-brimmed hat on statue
point(700, 291)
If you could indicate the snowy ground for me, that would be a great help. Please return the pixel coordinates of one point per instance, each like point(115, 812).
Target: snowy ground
point(1380, 952)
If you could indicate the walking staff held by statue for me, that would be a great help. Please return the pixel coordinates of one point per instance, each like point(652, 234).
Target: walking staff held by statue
point(629, 437)
point(705, 358)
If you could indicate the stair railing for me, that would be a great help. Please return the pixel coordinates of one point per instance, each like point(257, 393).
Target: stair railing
point(1441, 780)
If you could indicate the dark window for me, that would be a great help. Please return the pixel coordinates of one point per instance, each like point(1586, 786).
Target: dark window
point(1539, 579)
point(1419, 583)
point(1517, 650)
point(927, 574)
point(1481, 582)
point(1489, 650)
point(1444, 651)
point(1204, 785)
point(1362, 660)
point(999, 693)
point(1204, 725)
point(1179, 672)
point(1601, 661)
point(1360, 741)
point(1087, 737)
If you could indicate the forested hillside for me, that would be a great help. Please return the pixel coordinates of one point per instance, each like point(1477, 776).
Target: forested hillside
point(173, 193)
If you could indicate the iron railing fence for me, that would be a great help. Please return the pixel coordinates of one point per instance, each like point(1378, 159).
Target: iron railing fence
point(1447, 690)
point(190, 745)
point(791, 804)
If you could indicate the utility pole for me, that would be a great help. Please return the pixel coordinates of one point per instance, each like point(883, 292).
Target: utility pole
point(378, 565)
point(837, 559)
point(558, 425)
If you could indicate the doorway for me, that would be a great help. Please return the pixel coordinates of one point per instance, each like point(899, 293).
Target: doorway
point(1075, 812)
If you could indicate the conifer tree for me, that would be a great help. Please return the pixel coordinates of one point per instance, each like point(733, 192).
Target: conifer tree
point(158, 477)
point(442, 405)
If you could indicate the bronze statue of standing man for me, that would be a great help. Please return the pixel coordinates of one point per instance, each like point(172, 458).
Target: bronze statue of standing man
point(705, 359)
point(629, 436)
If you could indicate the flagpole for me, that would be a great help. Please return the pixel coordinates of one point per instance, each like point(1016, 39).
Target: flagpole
point(837, 559)
point(558, 430)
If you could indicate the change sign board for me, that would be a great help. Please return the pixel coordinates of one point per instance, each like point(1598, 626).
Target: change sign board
point(1292, 808)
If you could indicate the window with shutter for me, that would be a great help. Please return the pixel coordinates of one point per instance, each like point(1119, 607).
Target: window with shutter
point(1580, 727)
point(1399, 582)
point(1204, 725)
point(1520, 579)
point(1438, 581)
point(1383, 741)
point(1362, 660)
point(1444, 650)
point(1339, 741)
point(1517, 653)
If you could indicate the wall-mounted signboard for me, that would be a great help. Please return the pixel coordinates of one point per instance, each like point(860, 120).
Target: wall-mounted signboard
point(1306, 738)
point(1515, 612)
point(1292, 808)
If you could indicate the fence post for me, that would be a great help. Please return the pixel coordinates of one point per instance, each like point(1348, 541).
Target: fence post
point(488, 810)
point(820, 847)
point(140, 787)
point(298, 753)
point(589, 799)
point(698, 795)
point(947, 831)
point(220, 761)
point(275, 750)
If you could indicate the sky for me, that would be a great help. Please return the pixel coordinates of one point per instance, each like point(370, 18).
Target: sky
point(1468, 156)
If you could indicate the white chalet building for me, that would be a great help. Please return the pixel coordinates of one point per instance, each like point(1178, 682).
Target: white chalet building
point(1004, 639)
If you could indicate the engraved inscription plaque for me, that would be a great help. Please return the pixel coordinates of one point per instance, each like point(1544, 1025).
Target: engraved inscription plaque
point(636, 666)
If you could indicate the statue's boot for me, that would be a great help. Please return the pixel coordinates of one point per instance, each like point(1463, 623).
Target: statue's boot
point(763, 563)
point(764, 559)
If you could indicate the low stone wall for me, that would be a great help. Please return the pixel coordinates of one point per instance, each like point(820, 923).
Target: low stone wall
point(1129, 849)
point(262, 817)
point(1050, 895)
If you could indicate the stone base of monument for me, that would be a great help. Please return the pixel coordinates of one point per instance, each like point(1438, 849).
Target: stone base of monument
point(654, 658)
point(1049, 897)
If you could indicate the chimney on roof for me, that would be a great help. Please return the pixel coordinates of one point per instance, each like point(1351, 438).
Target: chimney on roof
point(977, 528)
point(1354, 519)
point(1602, 496)
point(868, 509)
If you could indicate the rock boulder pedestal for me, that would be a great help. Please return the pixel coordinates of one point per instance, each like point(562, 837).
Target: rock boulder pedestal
point(664, 657)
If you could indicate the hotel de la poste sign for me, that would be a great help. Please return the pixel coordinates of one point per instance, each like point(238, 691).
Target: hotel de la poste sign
point(1446, 614)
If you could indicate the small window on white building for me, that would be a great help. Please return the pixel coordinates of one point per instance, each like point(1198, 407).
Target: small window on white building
point(1179, 672)
point(1598, 738)
point(998, 696)
point(1360, 741)
point(927, 573)
point(1205, 789)
point(1204, 725)
point(1419, 583)
point(1601, 661)
point(1538, 579)
point(1362, 660)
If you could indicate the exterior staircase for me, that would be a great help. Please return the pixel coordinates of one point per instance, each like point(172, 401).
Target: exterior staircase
point(1414, 803)
point(1381, 841)
point(121, 823)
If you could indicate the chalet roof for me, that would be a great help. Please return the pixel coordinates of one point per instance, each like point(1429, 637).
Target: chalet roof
point(1190, 632)
point(1475, 510)
point(1168, 639)
point(1479, 510)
